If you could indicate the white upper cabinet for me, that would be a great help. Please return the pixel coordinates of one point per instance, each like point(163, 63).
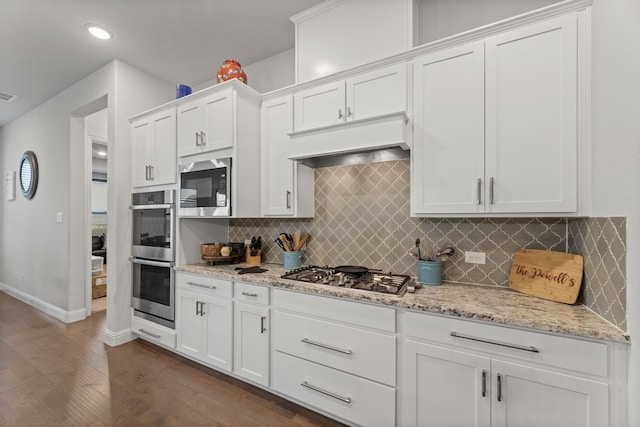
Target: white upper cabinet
point(496, 124)
point(531, 118)
point(448, 148)
point(287, 187)
point(367, 95)
point(206, 123)
point(339, 34)
point(153, 140)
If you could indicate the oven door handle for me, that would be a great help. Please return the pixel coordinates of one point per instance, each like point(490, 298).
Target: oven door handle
point(168, 264)
point(162, 206)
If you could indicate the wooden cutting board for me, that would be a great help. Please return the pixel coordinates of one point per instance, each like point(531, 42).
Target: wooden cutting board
point(556, 276)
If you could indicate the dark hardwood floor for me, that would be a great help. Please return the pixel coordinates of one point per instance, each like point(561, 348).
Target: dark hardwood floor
point(56, 374)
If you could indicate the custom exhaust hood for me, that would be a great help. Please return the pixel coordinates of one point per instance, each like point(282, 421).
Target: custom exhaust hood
point(375, 139)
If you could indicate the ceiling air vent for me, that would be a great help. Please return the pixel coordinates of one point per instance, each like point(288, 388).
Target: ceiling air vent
point(7, 97)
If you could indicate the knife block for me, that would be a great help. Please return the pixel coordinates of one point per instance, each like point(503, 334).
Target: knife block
point(254, 260)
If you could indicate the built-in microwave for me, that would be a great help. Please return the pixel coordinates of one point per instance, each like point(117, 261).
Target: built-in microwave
point(205, 189)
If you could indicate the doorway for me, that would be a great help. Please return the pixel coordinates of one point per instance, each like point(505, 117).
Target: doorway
point(97, 147)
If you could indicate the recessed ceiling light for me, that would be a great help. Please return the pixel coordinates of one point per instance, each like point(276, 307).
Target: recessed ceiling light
point(98, 31)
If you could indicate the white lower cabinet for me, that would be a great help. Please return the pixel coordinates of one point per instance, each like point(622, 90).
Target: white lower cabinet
point(478, 378)
point(204, 321)
point(251, 334)
point(349, 397)
point(335, 355)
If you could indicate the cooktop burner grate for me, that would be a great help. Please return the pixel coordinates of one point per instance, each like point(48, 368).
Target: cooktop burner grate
point(370, 280)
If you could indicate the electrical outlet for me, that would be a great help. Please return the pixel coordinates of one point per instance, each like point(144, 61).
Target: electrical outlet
point(475, 257)
point(59, 217)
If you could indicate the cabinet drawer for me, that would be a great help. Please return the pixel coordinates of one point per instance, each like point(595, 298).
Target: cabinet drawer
point(256, 294)
point(355, 313)
point(355, 399)
point(152, 332)
point(563, 352)
point(205, 285)
point(365, 353)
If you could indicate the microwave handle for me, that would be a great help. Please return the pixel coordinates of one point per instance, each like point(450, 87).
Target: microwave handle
point(151, 263)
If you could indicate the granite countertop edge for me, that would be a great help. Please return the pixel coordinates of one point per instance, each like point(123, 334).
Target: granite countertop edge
point(468, 301)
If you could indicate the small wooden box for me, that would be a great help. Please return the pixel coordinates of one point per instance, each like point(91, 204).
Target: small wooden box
point(255, 260)
point(98, 285)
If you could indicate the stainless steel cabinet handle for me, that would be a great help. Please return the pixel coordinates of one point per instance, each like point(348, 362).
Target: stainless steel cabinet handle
point(348, 111)
point(249, 294)
point(200, 285)
point(197, 139)
point(491, 190)
point(197, 308)
point(142, 331)
point(288, 199)
point(328, 347)
point(339, 113)
point(146, 172)
point(262, 328)
point(502, 344)
point(151, 174)
point(203, 140)
point(484, 383)
point(479, 191)
point(202, 313)
point(499, 397)
point(325, 392)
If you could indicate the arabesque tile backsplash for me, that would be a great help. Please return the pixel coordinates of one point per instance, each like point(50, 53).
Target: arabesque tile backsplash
point(362, 217)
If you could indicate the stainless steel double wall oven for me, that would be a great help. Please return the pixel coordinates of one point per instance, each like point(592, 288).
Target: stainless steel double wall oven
point(153, 256)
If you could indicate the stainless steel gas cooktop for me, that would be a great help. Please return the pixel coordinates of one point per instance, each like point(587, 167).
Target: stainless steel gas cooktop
point(353, 277)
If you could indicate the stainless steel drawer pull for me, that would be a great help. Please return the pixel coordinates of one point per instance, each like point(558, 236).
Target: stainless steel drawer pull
point(197, 139)
point(499, 379)
point(328, 393)
point(150, 334)
point(249, 294)
point(479, 191)
point(262, 328)
point(328, 347)
point(288, 199)
point(502, 344)
point(203, 139)
point(340, 113)
point(200, 285)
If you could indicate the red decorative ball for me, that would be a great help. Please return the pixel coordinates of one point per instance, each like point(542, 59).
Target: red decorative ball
point(231, 69)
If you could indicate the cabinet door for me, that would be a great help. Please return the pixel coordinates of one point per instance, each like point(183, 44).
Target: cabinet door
point(163, 167)
point(534, 397)
point(319, 106)
point(190, 126)
point(277, 169)
point(251, 342)
point(189, 324)
point(376, 93)
point(444, 387)
point(218, 115)
point(447, 159)
point(531, 118)
point(218, 318)
point(141, 141)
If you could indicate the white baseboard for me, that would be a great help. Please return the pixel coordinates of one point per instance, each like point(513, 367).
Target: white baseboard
point(50, 309)
point(114, 339)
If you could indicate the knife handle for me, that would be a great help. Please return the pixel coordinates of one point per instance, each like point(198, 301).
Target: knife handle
point(302, 242)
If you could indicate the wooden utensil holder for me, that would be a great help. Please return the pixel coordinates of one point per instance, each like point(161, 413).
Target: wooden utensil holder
point(254, 260)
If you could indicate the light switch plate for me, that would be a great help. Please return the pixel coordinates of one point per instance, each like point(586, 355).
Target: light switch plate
point(59, 217)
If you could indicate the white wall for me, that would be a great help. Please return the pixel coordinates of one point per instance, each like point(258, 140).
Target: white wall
point(41, 259)
point(616, 147)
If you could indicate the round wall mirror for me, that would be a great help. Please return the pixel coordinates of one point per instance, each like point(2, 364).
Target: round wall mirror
point(28, 174)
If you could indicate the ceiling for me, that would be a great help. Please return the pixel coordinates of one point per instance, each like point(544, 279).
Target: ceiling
point(44, 47)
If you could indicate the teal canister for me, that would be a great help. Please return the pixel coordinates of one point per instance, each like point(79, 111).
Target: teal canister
point(430, 272)
point(293, 259)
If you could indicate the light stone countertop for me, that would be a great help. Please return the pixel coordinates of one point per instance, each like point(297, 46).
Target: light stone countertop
point(486, 303)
